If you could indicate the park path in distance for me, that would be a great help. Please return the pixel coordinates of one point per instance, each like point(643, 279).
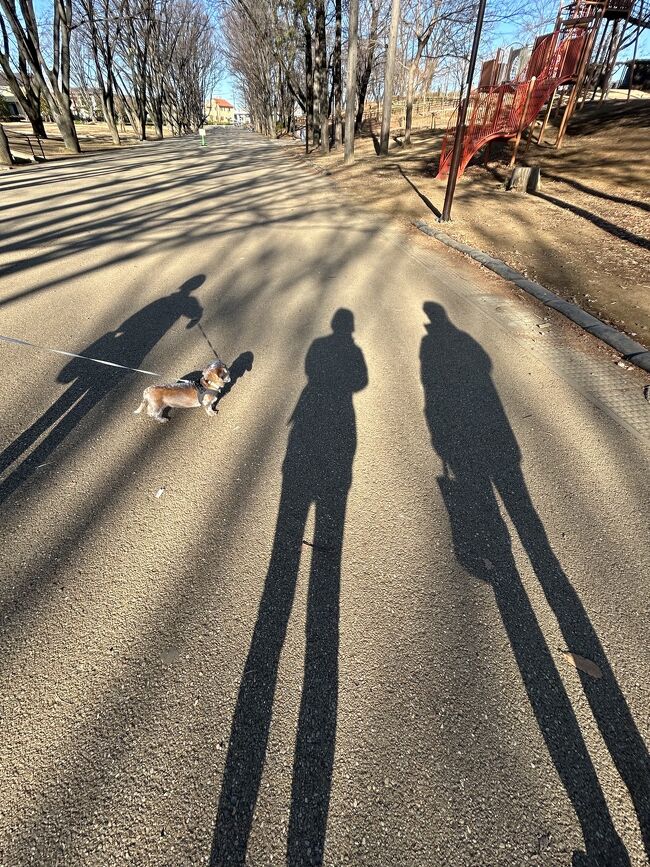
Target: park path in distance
point(325, 627)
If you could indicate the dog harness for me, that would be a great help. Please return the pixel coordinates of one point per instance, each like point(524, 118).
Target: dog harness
point(202, 392)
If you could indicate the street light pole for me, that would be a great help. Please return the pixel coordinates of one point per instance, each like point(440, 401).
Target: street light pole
point(462, 114)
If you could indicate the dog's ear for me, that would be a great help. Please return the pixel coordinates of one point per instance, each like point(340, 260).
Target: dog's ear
point(216, 372)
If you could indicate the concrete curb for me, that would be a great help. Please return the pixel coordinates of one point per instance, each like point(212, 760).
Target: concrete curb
point(631, 351)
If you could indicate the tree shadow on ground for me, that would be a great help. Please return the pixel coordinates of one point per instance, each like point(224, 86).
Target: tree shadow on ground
point(317, 471)
point(90, 383)
point(472, 436)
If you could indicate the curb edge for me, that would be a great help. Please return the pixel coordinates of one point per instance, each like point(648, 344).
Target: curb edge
point(633, 352)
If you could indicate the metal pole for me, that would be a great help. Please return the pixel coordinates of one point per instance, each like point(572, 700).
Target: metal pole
point(462, 114)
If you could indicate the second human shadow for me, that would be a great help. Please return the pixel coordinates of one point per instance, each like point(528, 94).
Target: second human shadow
point(481, 458)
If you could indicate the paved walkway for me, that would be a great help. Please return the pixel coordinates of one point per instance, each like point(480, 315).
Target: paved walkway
point(327, 626)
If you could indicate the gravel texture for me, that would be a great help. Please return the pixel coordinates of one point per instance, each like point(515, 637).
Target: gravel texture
point(326, 626)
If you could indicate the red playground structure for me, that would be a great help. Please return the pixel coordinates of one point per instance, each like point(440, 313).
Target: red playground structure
point(503, 109)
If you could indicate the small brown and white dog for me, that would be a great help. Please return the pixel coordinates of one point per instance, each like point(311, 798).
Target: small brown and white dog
point(186, 394)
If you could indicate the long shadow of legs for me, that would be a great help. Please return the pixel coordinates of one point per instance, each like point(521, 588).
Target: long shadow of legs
point(605, 697)
point(316, 471)
point(479, 532)
point(471, 433)
point(314, 757)
point(62, 417)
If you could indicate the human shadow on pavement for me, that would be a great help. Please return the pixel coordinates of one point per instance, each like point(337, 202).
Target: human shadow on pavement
point(90, 383)
point(473, 438)
point(317, 470)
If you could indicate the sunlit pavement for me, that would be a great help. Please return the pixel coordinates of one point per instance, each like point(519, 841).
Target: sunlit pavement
point(326, 626)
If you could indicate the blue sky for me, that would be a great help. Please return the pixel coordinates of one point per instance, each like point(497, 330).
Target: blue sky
point(226, 89)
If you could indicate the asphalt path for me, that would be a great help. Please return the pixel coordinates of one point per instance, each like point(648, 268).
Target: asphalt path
point(331, 624)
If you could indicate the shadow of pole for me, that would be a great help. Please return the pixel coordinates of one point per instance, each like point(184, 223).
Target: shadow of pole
point(317, 471)
point(471, 434)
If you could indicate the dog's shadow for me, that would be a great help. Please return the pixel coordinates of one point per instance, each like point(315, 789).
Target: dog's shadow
point(242, 364)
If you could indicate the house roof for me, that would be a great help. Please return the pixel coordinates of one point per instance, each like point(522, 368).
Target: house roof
point(223, 103)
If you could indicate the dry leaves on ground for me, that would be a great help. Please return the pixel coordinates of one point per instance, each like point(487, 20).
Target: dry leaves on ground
point(582, 663)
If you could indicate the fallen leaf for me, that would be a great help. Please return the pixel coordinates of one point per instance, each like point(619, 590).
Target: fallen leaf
point(582, 663)
point(488, 563)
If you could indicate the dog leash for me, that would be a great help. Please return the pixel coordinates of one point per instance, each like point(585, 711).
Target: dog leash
point(84, 357)
point(200, 327)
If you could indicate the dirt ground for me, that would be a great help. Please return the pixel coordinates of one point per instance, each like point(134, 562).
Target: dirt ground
point(585, 235)
point(92, 137)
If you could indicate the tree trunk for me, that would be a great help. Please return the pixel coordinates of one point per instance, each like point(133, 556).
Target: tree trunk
point(54, 82)
point(410, 89)
point(32, 99)
point(5, 153)
point(351, 82)
point(423, 39)
point(309, 84)
point(157, 118)
point(35, 118)
point(364, 80)
point(109, 116)
point(389, 76)
point(321, 76)
point(65, 122)
point(26, 93)
point(337, 85)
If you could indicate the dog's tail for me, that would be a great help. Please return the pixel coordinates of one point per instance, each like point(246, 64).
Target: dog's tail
point(140, 408)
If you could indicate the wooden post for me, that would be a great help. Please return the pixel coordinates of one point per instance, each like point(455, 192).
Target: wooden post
point(580, 76)
point(488, 152)
point(523, 124)
point(546, 117)
point(529, 137)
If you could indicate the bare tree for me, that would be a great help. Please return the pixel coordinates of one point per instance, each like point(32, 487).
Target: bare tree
point(367, 58)
point(99, 27)
point(388, 78)
point(23, 85)
point(337, 74)
point(53, 79)
point(320, 76)
point(350, 95)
